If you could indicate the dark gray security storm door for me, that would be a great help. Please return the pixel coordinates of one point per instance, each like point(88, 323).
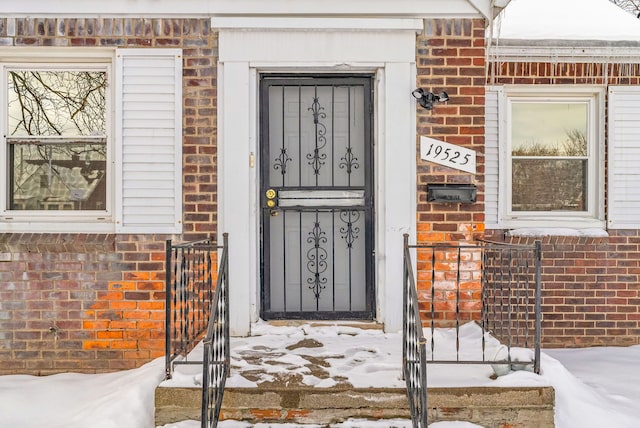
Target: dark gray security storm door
point(317, 201)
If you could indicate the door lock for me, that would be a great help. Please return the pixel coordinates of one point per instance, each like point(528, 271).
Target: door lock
point(272, 201)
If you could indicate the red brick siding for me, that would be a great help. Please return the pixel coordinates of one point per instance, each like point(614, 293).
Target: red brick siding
point(591, 286)
point(590, 289)
point(77, 302)
point(91, 303)
point(451, 57)
point(560, 73)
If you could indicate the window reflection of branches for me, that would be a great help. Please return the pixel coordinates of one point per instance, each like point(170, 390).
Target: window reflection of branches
point(551, 177)
point(574, 145)
point(57, 103)
point(57, 139)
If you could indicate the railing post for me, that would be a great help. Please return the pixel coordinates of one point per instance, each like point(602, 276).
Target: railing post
point(204, 408)
point(538, 332)
point(404, 301)
point(225, 241)
point(217, 351)
point(167, 309)
point(422, 343)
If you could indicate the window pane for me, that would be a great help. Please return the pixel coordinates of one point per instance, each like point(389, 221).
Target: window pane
point(549, 129)
point(56, 103)
point(57, 139)
point(549, 185)
point(67, 176)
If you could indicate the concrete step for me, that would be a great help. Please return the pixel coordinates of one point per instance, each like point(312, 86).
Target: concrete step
point(490, 407)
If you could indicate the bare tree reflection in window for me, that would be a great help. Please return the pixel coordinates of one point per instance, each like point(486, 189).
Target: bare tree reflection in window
point(57, 128)
point(538, 168)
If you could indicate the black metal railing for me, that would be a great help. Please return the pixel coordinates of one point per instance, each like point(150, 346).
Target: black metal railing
point(413, 346)
point(216, 362)
point(495, 285)
point(511, 298)
point(189, 289)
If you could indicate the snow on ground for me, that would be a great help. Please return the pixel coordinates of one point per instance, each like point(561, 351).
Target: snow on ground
point(612, 371)
point(72, 400)
point(595, 387)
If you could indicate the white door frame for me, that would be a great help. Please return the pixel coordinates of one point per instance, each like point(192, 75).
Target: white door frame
point(385, 47)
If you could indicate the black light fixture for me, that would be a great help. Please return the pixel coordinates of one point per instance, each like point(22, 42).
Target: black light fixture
point(426, 99)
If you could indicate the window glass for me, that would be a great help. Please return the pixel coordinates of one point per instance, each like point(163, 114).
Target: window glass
point(549, 156)
point(56, 134)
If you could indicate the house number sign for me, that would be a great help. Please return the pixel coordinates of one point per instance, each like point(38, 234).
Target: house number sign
point(446, 154)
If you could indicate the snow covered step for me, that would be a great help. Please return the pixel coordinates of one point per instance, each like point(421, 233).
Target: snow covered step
point(519, 407)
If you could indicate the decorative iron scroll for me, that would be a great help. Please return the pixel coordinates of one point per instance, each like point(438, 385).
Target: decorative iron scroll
point(281, 161)
point(317, 159)
point(349, 161)
point(317, 259)
point(349, 232)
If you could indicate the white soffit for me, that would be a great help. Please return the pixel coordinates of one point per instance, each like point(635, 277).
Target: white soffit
point(208, 8)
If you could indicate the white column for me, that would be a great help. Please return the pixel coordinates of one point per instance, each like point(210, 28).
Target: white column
point(398, 181)
point(234, 189)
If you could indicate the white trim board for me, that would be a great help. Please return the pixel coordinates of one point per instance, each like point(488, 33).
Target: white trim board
point(390, 55)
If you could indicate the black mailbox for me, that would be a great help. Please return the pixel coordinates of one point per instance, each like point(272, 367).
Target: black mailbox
point(451, 193)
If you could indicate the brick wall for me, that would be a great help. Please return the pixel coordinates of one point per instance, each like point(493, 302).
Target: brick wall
point(90, 303)
point(75, 302)
point(451, 58)
point(591, 287)
point(560, 73)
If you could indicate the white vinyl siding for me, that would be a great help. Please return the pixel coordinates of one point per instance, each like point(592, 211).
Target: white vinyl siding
point(148, 114)
point(624, 158)
point(492, 159)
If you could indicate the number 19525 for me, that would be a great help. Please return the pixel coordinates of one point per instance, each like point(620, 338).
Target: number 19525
point(447, 154)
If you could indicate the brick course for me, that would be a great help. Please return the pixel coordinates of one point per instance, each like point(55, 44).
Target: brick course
point(590, 289)
point(63, 309)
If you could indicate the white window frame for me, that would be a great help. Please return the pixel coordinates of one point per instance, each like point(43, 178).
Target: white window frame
point(593, 216)
point(60, 220)
point(164, 213)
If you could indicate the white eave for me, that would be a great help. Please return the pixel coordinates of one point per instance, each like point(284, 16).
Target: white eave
point(255, 8)
point(489, 8)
